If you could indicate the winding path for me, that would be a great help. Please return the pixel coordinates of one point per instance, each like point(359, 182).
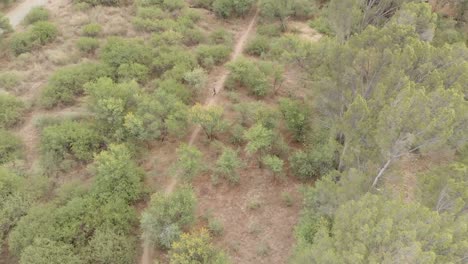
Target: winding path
point(17, 14)
point(147, 256)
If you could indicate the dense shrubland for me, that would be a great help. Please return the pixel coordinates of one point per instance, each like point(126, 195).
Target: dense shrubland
point(388, 82)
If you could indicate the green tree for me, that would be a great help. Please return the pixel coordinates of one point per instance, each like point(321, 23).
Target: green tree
point(196, 248)
point(260, 139)
point(117, 176)
point(209, 118)
point(228, 164)
point(45, 251)
point(275, 165)
point(394, 232)
point(167, 215)
point(10, 147)
point(420, 16)
point(108, 246)
point(189, 162)
point(296, 116)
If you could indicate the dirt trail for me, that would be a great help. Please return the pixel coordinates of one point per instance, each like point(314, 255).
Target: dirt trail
point(147, 256)
point(17, 14)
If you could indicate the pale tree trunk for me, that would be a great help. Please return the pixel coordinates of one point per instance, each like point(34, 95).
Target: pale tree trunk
point(381, 172)
point(340, 164)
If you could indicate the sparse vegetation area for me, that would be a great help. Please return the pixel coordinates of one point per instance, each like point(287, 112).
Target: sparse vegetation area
point(233, 131)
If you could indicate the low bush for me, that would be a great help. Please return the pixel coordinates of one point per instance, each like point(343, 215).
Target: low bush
point(91, 30)
point(221, 37)
point(259, 46)
point(22, 42)
point(11, 109)
point(269, 30)
point(36, 14)
point(44, 32)
point(68, 141)
point(245, 73)
point(203, 3)
point(196, 248)
point(87, 45)
point(118, 51)
point(10, 146)
point(229, 8)
point(210, 55)
point(5, 26)
point(9, 80)
point(133, 71)
point(67, 83)
point(228, 164)
point(101, 2)
point(167, 215)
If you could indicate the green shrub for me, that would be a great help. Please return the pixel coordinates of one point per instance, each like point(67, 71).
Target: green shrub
point(118, 51)
point(167, 38)
point(109, 246)
point(259, 46)
point(36, 14)
point(100, 2)
point(22, 42)
point(269, 30)
point(172, 5)
point(45, 251)
point(133, 71)
point(11, 109)
point(9, 80)
point(87, 45)
point(228, 164)
point(217, 54)
point(321, 25)
point(44, 32)
point(5, 25)
point(189, 162)
point(193, 36)
point(245, 73)
point(274, 165)
point(91, 30)
point(68, 141)
point(167, 215)
point(229, 8)
point(221, 37)
point(196, 248)
point(117, 176)
point(67, 83)
point(312, 163)
point(215, 226)
point(203, 3)
point(10, 147)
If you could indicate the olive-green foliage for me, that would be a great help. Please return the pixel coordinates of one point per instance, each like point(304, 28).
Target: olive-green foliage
point(67, 83)
point(101, 2)
point(133, 71)
point(269, 30)
point(412, 233)
point(229, 8)
point(296, 116)
point(45, 251)
point(189, 162)
point(9, 80)
point(167, 38)
point(209, 118)
point(196, 248)
point(317, 159)
point(260, 139)
point(117, 176)
point(87, 45)
point(109, 246)
point(44, 32)
point(22, 42)
point(444, 188)
point(246, 73)
point(91, 30)
point(118, 51)
point(228, 164)
point(204, 3)
point(68, 141)
point(11, 110)
point(221, 37)
point(448, 32)
point(73, 223)
point(17, 194)
point(5, 26)
point(167, 215)
point(258, 46)
point(257, 113)
point(193, 36)
point(36, 14)
point(10, 147)
point(173, 62)
point(111, 102)
point(275, 165)
point(211, 55)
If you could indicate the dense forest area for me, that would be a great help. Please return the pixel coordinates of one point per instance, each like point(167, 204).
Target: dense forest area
point(233, 131)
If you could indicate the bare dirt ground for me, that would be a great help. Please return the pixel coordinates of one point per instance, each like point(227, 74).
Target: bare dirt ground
point(305, 31)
